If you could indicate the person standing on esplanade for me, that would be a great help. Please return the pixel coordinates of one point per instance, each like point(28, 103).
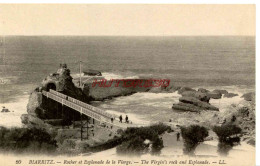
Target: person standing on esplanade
point(126, 119)
point(120, 118)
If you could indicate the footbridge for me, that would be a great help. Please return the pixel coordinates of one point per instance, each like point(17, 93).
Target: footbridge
point(86, 109)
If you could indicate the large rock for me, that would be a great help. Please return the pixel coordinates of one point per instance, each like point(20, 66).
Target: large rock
point(186, 107)
point(98, 91)
point(251, 141)
point(183, 89)
point(161, 89)
point(249, 96)
point(214, 95)
point(230, 95)
point(62, 81)
point(220, 91)
point(199, 95)
point(203, 90)
point(41, 107)
point(196, 102)
point(91, 72)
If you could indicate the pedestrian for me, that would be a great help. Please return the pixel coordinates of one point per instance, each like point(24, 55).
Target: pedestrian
point(178, 136)
point(120, 118)
point(112, 119)
point(126, 119)
point(233, 118)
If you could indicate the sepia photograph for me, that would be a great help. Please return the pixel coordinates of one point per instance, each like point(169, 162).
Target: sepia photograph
point(127, 84)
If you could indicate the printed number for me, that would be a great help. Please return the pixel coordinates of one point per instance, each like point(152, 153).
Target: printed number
point(18, 161)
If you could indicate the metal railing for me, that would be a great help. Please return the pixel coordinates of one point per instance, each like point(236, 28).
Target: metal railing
point(80, 106)
point(86, 109)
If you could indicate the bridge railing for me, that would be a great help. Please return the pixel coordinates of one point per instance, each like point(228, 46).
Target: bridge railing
point(94, 109)
point(58, 94)
point(74, 106)
point(85, 109)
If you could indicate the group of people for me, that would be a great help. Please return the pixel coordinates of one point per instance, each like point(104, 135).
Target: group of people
point(121, 119)
point(5, 110)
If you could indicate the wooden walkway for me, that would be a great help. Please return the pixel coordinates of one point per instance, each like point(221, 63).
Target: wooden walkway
point(86, 109)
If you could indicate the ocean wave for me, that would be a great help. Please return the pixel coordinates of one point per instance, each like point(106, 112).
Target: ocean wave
point(109, 76)
point(16, 108)
point(8, 80)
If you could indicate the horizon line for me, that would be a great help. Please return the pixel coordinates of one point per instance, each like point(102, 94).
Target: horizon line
point(134, 35)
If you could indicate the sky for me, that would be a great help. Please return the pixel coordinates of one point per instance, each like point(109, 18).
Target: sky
point(127, 19)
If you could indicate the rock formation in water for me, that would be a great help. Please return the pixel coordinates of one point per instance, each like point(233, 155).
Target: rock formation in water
point(194, 101)
point(249, 96)
point(230, 95)
point(97, 91)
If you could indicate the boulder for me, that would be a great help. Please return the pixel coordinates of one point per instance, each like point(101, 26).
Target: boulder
point(183, 89)
point(249, 96)
point(172, 88)
point(214, 95)
point(91, 72)
point(186, 107)
point(220, 91)
point(251, 141)
point(189, 107)
point(161, 89)
point(199, 95)
point(203, 90)
point(194, 101)
point(230, 95)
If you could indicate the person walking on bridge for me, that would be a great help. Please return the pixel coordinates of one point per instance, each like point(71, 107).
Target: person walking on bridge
point(120, 118)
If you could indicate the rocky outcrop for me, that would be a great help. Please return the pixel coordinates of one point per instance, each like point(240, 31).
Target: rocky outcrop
point(92, 72)
point(32, 121)
point(35, 101)
point(198, 95)
point(220, 91)
point(202, 90)
point(184, 89)
point(194, 102)
point(249, 96)
point(161, 89)
point(106, 90)
point(40, 108)
point(198, 103)
point(214, 95)
point(186, 107)
point(230, 95)
point(242, 115)
point(217, 93)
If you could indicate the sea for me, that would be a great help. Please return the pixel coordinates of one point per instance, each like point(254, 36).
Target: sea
point(211, 62)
